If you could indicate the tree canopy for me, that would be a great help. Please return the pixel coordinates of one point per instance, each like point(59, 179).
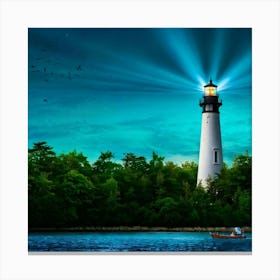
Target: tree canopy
point(67, 190)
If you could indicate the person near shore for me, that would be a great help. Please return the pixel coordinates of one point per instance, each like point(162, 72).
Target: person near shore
point(236, 231)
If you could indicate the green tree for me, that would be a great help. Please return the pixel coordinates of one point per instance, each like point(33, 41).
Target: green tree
point(65, 190)
point(73, 196)
point(167, 209)
point(137, 163)
point(242, 207)
point(74, 161)
point(41, 165)
point(156, 175)
point(171, 186)
point(200, 204)
point(188, 175)
point(242, 171)
point(41, 200)
point(104, 168)
point(41, 157)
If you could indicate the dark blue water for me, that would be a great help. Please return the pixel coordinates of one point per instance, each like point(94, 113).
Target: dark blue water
point(134, 242)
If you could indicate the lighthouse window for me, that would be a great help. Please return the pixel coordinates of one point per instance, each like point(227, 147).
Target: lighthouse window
point(216, 156)
point(209, 107)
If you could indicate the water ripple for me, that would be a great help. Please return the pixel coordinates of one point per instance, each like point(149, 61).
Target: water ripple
point(134, 242)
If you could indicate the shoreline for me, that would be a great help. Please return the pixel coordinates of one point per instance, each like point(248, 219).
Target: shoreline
point(135, 229)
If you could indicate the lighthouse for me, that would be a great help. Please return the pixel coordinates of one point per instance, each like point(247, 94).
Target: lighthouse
point(210, 154)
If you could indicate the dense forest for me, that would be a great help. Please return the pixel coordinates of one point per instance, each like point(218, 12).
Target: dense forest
point(66, 190)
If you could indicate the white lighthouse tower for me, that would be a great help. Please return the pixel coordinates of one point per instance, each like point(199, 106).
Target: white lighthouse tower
point(210, 154)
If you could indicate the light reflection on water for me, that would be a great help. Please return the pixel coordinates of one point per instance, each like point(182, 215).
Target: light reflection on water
point(134, 242)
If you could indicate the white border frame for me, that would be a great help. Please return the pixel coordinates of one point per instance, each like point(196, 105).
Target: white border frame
point(17, 16)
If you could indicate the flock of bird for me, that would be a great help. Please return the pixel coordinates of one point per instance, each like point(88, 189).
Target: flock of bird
point(45, 70)
point(42, 65)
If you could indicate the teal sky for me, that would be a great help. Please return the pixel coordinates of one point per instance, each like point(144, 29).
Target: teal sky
point(137, 90)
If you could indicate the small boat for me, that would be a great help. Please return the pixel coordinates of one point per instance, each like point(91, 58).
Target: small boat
point(225, 236)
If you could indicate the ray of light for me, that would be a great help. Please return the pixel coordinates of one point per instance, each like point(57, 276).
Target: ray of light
point(91, 77)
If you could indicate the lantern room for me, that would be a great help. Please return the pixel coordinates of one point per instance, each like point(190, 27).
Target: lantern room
point(210, 89)
point(210, 101)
